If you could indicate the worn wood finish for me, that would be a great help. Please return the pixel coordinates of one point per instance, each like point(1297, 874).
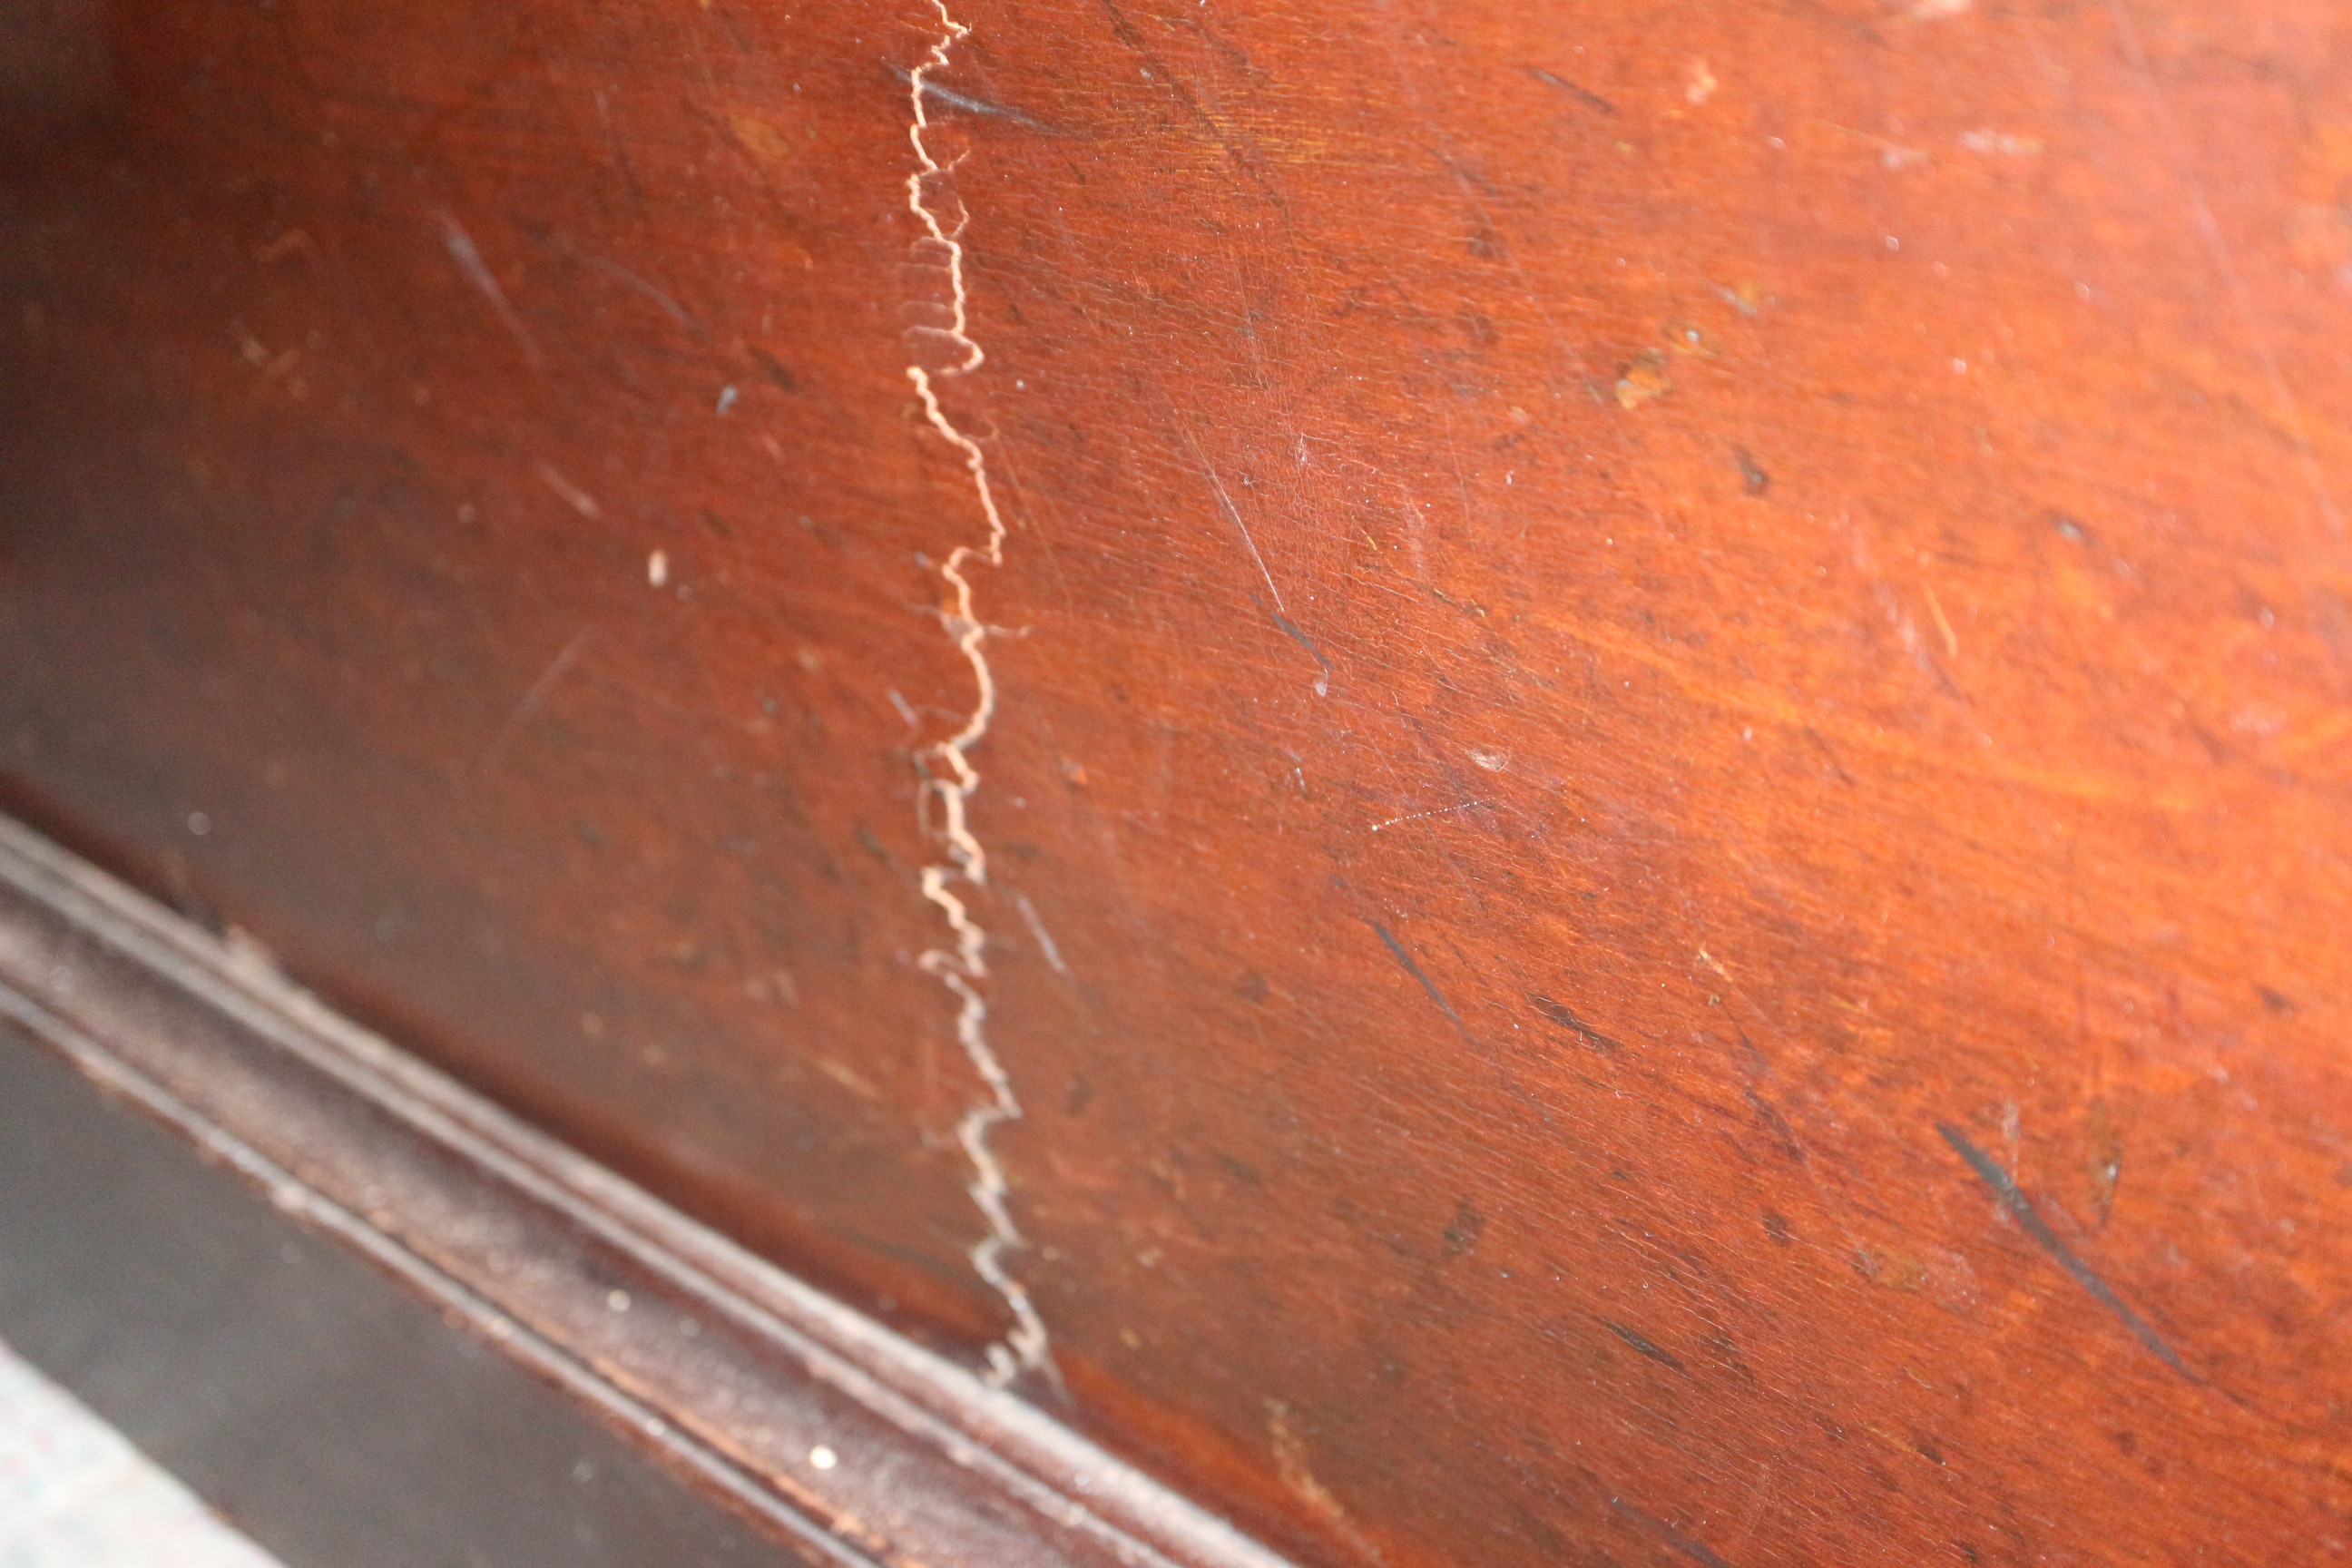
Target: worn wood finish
point(1667, 756)
point(381, 1322)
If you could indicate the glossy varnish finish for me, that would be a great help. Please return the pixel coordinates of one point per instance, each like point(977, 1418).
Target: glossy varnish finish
point(1667, 742)
point(377, 1322)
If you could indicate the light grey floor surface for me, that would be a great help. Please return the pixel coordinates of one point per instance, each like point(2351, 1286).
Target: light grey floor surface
point(75, 1494)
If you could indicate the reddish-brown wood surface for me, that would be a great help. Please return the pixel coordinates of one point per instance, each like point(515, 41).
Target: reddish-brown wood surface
point(1667, 796)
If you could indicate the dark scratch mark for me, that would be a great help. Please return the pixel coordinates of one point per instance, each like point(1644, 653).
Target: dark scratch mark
point(1666, 1532)
point(1827, 756)
point(1657, 1354)
point(1584, 96)
point(1396, 950)
point(1569, 1021)
point(1753, 479)
point(874, 846)
point(771, 367)
point(970, 105)
point(1323, 685)
point(2022, 1210)
point(1241, 1171)
point(1772, 1119)
point(1248, 163)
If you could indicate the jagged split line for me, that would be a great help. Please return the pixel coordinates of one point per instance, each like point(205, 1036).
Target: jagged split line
point(950, 779)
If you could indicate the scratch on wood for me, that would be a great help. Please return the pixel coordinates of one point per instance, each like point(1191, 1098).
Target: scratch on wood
point(468, 258)
point(1584, 96)
point(570, 495)
point(530, 700)
point(1434, 811)
point(954, 99)
point(1695, 1551)
point(948, 777)
point(1656, 1352)
point(2022, 1210)
point(1284, 624)
point(1046, 943)
point(1233, 515)
point(1396, 951)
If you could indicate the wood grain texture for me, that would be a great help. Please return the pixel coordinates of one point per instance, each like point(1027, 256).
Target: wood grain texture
point(1669, 753)
point(384, 1322)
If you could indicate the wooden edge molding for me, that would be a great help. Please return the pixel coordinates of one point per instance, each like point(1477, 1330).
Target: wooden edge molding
point(326, 1283)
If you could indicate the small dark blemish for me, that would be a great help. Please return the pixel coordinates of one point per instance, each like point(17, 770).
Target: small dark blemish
point(2277, 1003)
point(1828, 755)
point(1662, 1356)
point(2126, 1444)
point(771, 367)
point(1241, 1171)
point(1462, 1233)
point(1753, 479)
point(1253, 987)
point(1775, 1123)
point(1776, 1228)
point(1574, 1025)
point(718, 525)
point(1078, 1095)
point(872, 846)
point(1591, 99)
point(1927, 1451)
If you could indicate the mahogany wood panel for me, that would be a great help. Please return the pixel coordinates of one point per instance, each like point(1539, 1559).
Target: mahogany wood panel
point(380, 1321)
point(1661, 735)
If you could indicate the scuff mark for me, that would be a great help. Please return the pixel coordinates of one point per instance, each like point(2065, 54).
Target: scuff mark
point(949, 779)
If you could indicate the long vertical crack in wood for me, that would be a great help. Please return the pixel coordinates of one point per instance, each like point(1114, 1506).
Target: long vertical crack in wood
point(948, 777)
